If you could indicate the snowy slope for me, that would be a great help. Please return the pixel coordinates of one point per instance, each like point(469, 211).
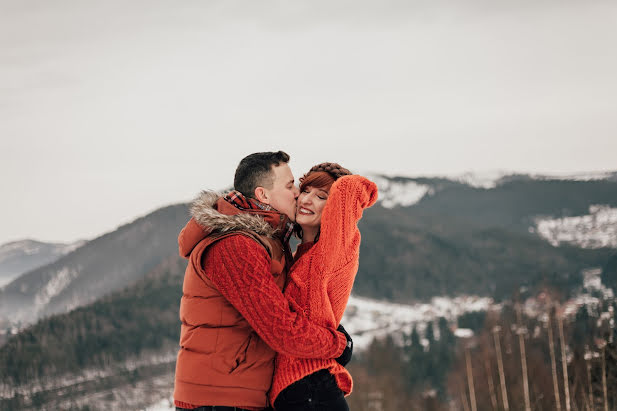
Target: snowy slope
point(594, 230)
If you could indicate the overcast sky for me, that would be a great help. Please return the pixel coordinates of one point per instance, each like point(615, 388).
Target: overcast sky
point(111, 109)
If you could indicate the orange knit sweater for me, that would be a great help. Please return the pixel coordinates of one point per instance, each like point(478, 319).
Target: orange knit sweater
point(321, 279)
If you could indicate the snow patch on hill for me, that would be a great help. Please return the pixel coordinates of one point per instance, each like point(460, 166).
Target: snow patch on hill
point(402, 193)
point(594, 230)
point(488, 179)
point(58, 282)
point(366, 318)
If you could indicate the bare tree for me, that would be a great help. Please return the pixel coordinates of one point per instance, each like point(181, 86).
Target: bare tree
point(491, 386)
point(604, 390)
point(472, 391)
point(551, 345)
point(502, 377)
point(566, 385)
point(520, 330)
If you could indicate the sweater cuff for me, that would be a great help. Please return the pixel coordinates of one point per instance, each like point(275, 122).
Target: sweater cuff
point(342, 344)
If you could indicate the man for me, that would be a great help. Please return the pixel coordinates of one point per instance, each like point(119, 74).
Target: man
point(234, 315)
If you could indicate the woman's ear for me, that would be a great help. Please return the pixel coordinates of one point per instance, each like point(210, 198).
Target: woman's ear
point(261, 195)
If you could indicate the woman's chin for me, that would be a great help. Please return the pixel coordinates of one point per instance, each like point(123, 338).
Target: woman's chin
point(303, 223)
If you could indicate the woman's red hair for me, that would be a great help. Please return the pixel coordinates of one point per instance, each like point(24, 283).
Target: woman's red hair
point(317, 179)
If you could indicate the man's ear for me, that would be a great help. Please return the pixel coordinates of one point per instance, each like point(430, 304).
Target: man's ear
point(261, 195)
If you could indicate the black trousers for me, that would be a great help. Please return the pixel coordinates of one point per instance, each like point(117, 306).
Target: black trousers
point(213, 408)
point(317, 391)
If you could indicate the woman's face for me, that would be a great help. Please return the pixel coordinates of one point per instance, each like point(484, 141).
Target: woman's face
point(311, 203)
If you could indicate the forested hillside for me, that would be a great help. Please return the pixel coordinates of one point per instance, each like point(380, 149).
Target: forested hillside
point(405, 257)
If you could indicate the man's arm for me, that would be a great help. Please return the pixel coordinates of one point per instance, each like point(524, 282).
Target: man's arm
point(240, 269)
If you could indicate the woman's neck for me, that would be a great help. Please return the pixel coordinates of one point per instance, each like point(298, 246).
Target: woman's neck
point(309, 234)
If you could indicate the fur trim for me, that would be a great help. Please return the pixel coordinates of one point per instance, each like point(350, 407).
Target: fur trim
point(204, 213)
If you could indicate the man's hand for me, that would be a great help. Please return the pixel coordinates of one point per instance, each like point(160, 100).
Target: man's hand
point(346, 355)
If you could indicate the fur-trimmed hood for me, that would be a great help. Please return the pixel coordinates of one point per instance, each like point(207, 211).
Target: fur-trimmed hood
point(211, 213)
point(205, 210)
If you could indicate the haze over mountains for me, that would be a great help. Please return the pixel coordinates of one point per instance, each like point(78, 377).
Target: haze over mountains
point(18, 257)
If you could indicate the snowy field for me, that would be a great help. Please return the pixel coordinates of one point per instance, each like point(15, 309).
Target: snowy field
point(366, 319)
point(594, 230)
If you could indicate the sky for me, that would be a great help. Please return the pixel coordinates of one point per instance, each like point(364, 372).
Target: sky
point(112, 109)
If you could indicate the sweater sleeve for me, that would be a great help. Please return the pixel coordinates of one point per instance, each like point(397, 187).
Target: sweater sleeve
point(339, 238)
point(240, 269)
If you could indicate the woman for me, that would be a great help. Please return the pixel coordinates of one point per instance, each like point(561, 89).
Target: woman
point(325, 264)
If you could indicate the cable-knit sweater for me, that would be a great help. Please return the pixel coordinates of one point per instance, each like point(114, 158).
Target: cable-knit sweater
point(321, 279)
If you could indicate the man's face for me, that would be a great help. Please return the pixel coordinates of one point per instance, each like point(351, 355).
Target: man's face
point(283, 194)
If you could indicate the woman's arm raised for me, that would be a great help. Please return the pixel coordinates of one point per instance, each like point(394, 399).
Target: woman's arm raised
point(339, 238)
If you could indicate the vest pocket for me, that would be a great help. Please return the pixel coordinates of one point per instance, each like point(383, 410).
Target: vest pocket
point(240, 357)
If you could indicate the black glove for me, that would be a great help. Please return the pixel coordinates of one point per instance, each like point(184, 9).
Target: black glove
point(346, 355)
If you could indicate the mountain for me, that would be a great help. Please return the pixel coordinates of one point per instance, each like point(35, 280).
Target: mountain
point(103, 265)
point(428, 236)
point(18, 257)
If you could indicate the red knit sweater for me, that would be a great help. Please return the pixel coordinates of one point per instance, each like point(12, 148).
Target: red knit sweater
point(320, 281)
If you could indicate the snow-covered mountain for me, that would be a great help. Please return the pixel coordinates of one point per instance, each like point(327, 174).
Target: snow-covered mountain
point(406, 191)
point(19, 257)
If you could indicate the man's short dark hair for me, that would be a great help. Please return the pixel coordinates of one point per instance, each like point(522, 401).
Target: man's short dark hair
point(255, 170)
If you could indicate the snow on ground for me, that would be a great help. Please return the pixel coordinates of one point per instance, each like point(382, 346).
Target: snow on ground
point(166, 404)
point(536, 307)
point(592, 281)
point(463, 333)
point(594, 230)
point(366, 319)
point(399, 193)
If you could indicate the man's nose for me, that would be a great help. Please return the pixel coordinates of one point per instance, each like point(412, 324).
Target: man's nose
point(296, 192)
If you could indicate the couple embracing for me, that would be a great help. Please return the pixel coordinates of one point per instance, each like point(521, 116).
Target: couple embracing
point(260, 326)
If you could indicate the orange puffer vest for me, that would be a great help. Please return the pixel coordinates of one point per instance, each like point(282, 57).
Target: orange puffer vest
point(221, 359)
